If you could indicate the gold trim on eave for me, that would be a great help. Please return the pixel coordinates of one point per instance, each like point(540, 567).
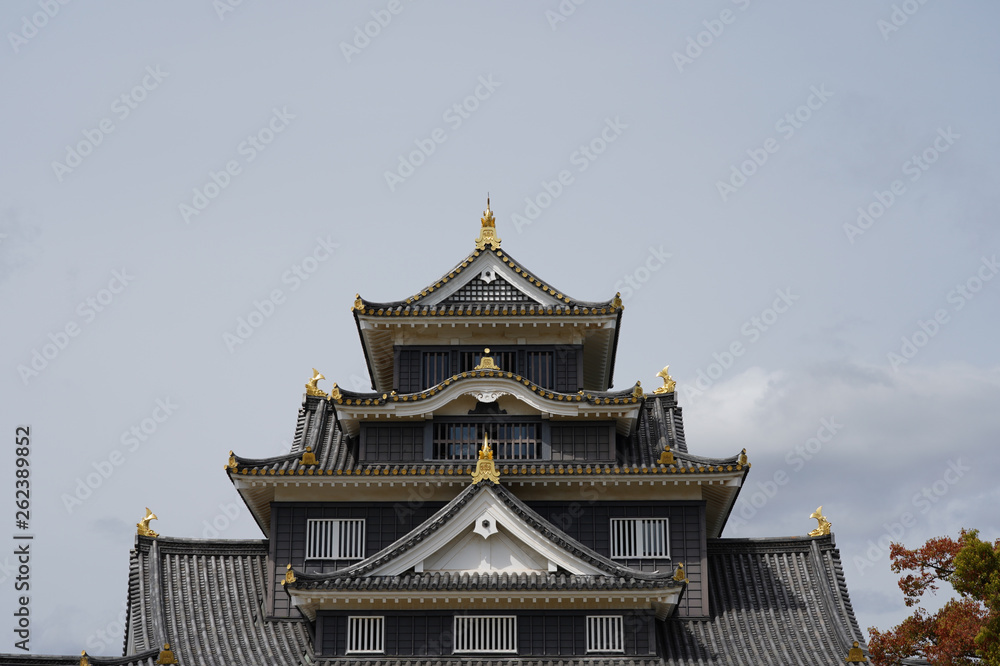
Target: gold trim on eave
point(487, 230)
point(485, 468)
point(289, 575)
point(308, 457)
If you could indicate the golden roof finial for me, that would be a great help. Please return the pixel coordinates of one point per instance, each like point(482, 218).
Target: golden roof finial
point(669, 385)
point(308, 457)
point(824, 525)
point(666, 457)
point(289, 575)
point(311, 385)
point(743, 458)
point(487, 230)
point(231, 464)
point(485, 468)
point(679, 575)
point(856, 655)
point(616, 302)
point(142, 527)
point(84, 660)
point(358, 304)
point(166, 655)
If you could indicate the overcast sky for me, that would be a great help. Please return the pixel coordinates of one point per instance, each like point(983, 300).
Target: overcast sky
point(169, 169)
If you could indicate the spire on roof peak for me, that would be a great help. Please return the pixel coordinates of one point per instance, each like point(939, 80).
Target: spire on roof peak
point(488, 230)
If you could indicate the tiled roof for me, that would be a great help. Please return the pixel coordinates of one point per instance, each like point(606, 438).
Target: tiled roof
point(484, 661)
point(206, 598)
point(659, 425)
point(462, 581)
point(774, 601)
point(146, 659)
point(615, 573)
point(414, 304)
point(631, 395)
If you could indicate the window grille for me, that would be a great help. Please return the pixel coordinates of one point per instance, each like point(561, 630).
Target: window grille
point(495, 634)
point(509, 440)
point(639, 537)
point(497, 290)
point(604, 633)
point(540, 368)
point(437, 368)
point(365, 634)
point(335, 539)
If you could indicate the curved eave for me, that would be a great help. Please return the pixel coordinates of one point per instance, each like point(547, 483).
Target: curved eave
point(353, 408)
point(720, 484)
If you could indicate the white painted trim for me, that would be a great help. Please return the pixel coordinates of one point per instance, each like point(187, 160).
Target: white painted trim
point(516, 527)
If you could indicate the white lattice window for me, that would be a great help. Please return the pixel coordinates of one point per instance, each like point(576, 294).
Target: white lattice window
point(365, 634)
point(495, 634)
point(639, 537)
point(335, 539)
point(604, 633)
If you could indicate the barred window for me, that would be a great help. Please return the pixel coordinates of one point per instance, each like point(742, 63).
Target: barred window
point(365, 634)
point(335, 539)
point(639, 537)
point(495, 634)
point(604, 633)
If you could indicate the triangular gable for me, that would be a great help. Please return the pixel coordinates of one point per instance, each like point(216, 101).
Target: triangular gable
point(488, 279)
point(488, 533)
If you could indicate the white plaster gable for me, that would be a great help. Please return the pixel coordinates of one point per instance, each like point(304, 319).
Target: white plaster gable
point(506, 542)
point(494, 552)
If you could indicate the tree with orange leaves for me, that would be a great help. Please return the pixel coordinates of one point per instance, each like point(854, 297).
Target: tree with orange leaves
point(966, 630)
